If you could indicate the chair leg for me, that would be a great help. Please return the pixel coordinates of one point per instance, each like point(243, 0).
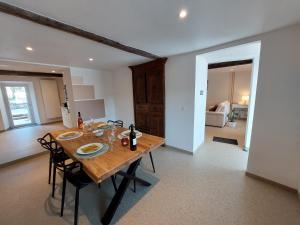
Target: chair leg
point(114, 183)
point(50, 169)
point(76, 206)
point(152, 161)
point(53, 181)
point(63, 196)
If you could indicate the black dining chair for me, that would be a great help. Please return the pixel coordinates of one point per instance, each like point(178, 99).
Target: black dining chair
point(117, 123)
point(74, 174)
point(57, 157)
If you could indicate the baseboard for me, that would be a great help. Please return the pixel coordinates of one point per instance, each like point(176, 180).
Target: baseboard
point(273, 183)
point(23, 159)
point(51, 122)
point(179, 150)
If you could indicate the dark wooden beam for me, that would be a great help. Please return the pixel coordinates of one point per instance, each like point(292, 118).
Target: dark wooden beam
point(230, 63)
point(29, 74)
point(43, 20)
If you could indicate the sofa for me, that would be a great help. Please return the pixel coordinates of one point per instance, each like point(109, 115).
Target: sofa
point(217, 116)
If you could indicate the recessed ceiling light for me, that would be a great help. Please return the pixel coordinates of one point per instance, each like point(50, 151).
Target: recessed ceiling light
point(182, 13)
point(53, 71)
point(28, 48)
point(91, 59)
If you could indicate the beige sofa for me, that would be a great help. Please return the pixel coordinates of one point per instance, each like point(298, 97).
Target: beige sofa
point(218, 118)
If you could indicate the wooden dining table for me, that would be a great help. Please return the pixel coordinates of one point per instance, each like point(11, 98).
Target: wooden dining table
point(117, 157)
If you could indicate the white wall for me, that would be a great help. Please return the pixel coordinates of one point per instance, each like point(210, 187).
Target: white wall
point(274, 152)
point(200, 102)
point(274, 149)
point(241, 85)
point(102, 81)
point(50, 96)
point(219, 85)
point(123, 95)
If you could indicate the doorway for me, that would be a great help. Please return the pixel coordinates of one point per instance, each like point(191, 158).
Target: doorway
point(237, 53)
point(18, 105)
point(228, 91)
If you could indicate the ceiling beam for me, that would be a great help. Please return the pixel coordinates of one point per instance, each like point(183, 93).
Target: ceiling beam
point(29, 74)
point(46, 21)
point(228, 64)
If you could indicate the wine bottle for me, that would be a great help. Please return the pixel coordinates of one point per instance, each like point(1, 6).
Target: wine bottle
point(132, 137)
point(79, 121)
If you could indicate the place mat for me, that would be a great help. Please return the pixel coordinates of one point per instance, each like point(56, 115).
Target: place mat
point(88, 156)
point(61, 138)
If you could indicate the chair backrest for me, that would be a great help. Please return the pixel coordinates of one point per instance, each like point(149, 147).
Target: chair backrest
point(48, 143)
point(117, 123)
point(110, 121)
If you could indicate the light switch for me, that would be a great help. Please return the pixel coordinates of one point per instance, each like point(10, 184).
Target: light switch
point(201, 92)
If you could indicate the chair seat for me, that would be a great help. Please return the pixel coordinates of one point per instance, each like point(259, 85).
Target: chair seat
point(59, 157)
point(78, 178)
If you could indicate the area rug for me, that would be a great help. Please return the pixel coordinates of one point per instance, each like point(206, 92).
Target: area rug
point(94, 200)
point(225, 140)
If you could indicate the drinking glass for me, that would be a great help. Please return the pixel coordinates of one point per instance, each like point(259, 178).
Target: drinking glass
point(111, 139)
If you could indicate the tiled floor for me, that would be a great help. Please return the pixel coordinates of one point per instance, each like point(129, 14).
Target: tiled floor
point(21, 142)
point(208, 188)
point(237, 132)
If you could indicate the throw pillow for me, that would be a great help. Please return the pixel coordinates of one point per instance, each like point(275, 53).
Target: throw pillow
point(213, 109)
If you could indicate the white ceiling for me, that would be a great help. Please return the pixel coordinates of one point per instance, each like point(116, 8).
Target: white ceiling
point(152, 26)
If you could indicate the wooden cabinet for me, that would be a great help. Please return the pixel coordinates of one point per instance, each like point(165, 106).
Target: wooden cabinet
point(149, 96)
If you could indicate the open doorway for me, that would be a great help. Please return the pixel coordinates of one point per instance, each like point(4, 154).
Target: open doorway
point(250, 51)
point(18, 105)
point(31, 104)
point(228, 91)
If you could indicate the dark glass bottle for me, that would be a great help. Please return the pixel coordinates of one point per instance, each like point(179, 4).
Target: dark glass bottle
point(79, 121)
point(132, 137)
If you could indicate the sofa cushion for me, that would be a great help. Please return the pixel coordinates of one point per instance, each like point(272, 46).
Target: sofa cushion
point(223, 107)
point(213, 108)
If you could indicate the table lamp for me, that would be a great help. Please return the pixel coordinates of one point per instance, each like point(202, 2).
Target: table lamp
point(245, 99)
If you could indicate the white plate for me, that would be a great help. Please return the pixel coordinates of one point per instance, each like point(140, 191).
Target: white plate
point(104, 126)
point(65, 136)
point(81, 151)
point(127, 132)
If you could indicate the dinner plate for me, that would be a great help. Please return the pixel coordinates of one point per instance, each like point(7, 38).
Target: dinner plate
point(90, 148)
point(127, 132)
point(69, 135)
point(104, 126)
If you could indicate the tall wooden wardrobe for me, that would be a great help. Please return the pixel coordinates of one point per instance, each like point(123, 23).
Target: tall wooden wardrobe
point(149, 96)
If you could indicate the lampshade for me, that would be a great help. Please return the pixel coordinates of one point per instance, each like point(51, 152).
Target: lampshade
point(245, 99)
